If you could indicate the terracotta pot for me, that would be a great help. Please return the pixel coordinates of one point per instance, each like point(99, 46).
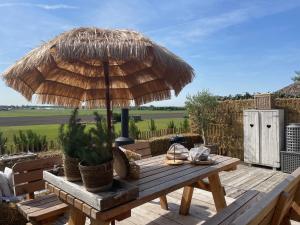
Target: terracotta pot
point(71, 169)
point(97, 178)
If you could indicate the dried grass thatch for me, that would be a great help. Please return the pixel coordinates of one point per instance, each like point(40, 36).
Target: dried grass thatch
point(68, 70)
point(291, 90)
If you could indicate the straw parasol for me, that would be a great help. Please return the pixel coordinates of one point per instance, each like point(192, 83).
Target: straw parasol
point(292, 90)
point(99, 67)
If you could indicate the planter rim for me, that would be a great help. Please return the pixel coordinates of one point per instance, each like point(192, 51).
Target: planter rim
point(93, 166)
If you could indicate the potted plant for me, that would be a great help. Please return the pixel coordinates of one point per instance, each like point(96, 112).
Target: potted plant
point(96, 165)
point(73, 140)
point(201, 107)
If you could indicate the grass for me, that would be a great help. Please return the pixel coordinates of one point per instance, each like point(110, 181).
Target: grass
point(60, 112)
point(51, 131)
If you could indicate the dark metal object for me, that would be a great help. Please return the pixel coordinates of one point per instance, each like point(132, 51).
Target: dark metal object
point(107, 99)
point(124, 123)
point(176, 140)
point(124, 139)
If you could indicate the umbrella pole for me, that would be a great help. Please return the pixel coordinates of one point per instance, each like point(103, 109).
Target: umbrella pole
point(108, 105)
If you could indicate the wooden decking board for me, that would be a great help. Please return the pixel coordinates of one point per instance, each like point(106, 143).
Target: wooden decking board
point(235, 183)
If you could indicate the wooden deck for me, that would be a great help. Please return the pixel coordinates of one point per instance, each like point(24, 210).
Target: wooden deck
point(235, 182)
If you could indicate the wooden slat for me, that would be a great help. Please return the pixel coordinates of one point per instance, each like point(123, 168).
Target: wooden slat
point(48, 212)
point(263, 211)
point(37, 164)
point(27, 177)
point(173, 173)
point(230, 213)
point(29, 187)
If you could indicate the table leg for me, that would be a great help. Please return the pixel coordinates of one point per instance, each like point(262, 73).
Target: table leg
point(76, 217)
point(186, 200)
point(98, 222)
point(217, 191)
point(163, 202)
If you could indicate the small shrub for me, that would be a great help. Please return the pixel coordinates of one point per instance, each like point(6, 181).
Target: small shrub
point(133, 130)
point(30, 141)
point(160, 145)
point(97, 151)
point(171, 125)
point(152, 125)
point(3, 142)
point(185, 126)
point(72, 136)
point(116, 117)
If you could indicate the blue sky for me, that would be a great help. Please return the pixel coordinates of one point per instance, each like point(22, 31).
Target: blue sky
point(234, 46)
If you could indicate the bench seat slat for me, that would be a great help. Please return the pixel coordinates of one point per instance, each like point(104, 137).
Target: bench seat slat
point(41, 208)
point(230, 213)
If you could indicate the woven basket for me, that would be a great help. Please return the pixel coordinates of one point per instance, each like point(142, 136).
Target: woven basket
point(134, 170)
point(97, 178)
point(264, 101)
point(71, 169)
point(9, 215)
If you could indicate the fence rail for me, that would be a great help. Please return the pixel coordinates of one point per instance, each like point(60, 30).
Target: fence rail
point(145, 135)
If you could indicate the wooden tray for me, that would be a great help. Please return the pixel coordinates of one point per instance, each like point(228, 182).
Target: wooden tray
point(120, 193)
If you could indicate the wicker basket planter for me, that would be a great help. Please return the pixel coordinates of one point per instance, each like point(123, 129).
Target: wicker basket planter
point(97, 178)
point(71, 169)
point(264, 101)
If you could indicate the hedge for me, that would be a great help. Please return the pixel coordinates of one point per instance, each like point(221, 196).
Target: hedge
point(160, 145)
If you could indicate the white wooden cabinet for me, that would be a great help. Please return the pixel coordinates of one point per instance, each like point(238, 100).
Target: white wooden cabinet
point(263, 136)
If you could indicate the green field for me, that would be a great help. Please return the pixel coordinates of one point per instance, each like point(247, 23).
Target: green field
point(60, 112)
point(51, 131)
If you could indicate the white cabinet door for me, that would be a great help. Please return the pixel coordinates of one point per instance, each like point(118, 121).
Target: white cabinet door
point(270, 138)
point(251, 136)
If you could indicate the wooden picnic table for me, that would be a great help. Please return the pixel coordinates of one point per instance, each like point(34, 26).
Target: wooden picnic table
point(156, 180)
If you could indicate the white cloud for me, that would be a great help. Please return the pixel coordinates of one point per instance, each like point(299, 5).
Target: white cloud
point(42, 6)
point(198, 28)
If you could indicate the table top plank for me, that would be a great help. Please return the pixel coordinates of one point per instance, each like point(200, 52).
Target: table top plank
point(171, 170)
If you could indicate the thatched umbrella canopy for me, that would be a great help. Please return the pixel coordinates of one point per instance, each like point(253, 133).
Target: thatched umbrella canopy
point(291, 90)
point(76, 67)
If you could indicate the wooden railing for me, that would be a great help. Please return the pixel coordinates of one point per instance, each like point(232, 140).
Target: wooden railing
point(145, 135)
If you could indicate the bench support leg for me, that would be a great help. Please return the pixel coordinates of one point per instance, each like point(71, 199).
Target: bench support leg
point(217, 191)
point(186, 200)
point(76, 217)
point(163, 202)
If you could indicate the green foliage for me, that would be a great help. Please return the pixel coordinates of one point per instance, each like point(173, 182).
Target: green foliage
point(98, 150)
point(296, 77)
point(72, 136)
point(185, 126)
point(171, 125)
point(29, 141)
point(152, 125)
point(201, 107)
point(116, 117)
point(3, 142)
point(133, 130)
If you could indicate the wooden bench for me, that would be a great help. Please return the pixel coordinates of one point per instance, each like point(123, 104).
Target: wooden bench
point(276, 207)
point(28, 178)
